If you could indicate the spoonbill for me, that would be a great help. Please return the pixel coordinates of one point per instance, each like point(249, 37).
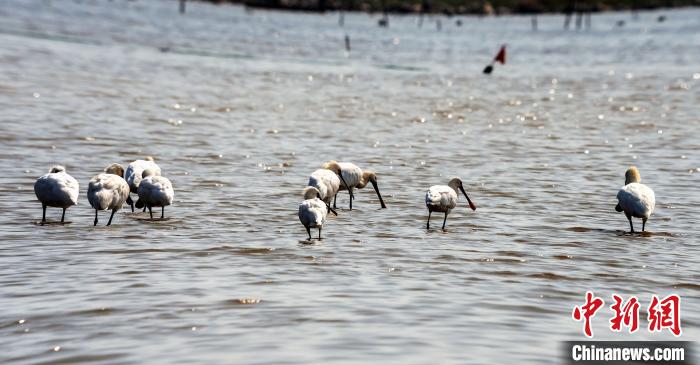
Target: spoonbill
point(313, 210)
point(56, 189)
point(155, 191)
point(443, 198)
point(635, 199)
point(327, 182)
point(353, 178)
point(134, 172)
point(108, 190)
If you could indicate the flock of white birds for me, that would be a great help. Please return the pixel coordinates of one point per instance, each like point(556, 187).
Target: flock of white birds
point(635, 199)
point(112, 188)
point(108, 190)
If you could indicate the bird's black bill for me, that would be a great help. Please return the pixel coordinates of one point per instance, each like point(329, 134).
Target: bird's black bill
point(331, 209)
point(381, 201)
point(346, 185)
point(471, 205)
point(488, 69)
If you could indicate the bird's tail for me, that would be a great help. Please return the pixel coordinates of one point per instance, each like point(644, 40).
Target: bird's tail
point(618, 207)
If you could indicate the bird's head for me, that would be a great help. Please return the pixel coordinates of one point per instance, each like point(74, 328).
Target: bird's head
point(371, 177)
point(333, 166)
point(148, 172)
point(311, 192)
point(115, 169)
point(456, 185)
point(57, 168)
point(632, 175)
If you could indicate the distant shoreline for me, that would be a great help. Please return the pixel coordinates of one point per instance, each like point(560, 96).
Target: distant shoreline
point(454, 7)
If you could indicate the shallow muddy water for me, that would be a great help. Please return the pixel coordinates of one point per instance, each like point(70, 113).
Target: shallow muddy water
point(239, 108)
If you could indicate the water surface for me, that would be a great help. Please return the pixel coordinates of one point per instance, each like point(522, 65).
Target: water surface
point(239, 108)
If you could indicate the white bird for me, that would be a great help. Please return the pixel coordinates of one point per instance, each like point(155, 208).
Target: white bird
point(155, 191)
point(327, 182)
point(108, 190)
point(313, 210)
point(443, 198)
point(56, 189)
point(353, 178)
point(134, 172)
point(635, 199)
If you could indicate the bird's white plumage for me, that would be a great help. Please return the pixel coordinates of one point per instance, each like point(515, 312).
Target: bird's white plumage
point(107, 191)
point(312, 213)
point(351, 173)
point(57, 189)
point(637, 200)
point(156, 191)
point(327, 183)
point(134, 172)
point(440, 198)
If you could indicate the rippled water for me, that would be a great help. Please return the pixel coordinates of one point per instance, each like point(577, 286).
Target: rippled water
point(239, 108)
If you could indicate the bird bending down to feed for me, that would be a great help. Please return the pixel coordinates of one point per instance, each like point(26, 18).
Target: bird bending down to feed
point(327, 183)
point(108, 190)
point(313, 210)
point(443, 198)
point(353, 178)
point(56, 189)
point(134, 172)
point(155, 191)
point(635, 199)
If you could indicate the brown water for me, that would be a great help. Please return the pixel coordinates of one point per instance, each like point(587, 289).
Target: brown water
point(239, 109)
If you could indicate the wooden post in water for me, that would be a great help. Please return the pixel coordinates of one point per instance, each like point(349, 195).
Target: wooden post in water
point(588, 20)
point(384, 21)
point(570, 8)
point(424, 8)
point(579, 19)
point(182, 6)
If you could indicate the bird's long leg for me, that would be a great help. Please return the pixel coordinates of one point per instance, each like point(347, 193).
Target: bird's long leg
point(319, 233)
point(43, 216)
point(150, 211)
point(95, 223)
point(350, 198)
point(629, 218)
point(334, 199)
point(110, 218)
point(162, 212)
point(429, 213)
point(130, 202)
point(63, 215)
point(144, 208)
point(308, 230)
point(444, 220)
point(644, 222)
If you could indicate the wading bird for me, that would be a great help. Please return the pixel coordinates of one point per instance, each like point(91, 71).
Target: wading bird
point(635, 199)
point(56, 189)
point(443, 198)
point(313, 210)
point(155, 191)
point(108, 190)
point(134, 172)
point(327, 182)
point(353, 178)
